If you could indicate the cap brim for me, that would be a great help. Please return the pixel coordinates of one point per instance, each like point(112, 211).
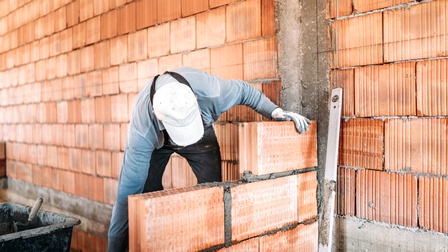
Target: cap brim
point(189, 134)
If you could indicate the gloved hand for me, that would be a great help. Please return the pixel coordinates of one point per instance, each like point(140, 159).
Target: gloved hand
point(301, 122)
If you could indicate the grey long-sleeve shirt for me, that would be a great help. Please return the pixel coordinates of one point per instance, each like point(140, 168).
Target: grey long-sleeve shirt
point(215, 96)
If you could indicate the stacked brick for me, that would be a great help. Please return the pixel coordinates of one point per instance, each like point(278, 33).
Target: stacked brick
point(277, 212)
point(390, 58)
point(2, 160)
point(70, 71)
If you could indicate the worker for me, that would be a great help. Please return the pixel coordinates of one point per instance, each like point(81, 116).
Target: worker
point(174, 112)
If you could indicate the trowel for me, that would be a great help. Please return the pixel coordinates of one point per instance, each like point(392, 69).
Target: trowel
point(33, 213)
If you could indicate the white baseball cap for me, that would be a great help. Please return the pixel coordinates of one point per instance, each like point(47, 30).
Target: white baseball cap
point(176, 106)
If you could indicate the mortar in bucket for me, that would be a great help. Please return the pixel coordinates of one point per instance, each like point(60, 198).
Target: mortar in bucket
point(47, 231)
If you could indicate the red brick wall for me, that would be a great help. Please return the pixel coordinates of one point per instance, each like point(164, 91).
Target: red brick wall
point(393, 147)
point(70, 71)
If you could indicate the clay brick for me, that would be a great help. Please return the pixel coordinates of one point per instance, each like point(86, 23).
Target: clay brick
point(227, 61)
point(88, 161)
point(345, 79)
point(79, 35)
point(183, 175)
point(168, 10)
point(170, 62)
point(93, 30)
point(339, 8)
point(60, 19)
point(230, 171)
point(44, 48)
point(110, 190)
point(2, 151)
point(183, 34)
point(417, 145)
point(51, 112)
point(364, 6)
point(187, 219)
point(307, 196)
point(82, 186)
point(112, 136)
point(146, 13)
point(96, 186)
point(301, 238)
point(103, 163)
point(345, 194)
point(109, 24)
point(62, 111)
point(69, 135)
point(85, 9)
point(52, 156)
point(260, 59)
point(74, 111)
point(88, 110)
point(145, 70)
point(49, 24)
point(228, 139)
point(87, 59)
point(359, 41)
point(128, 78)
point(74, 62)
point(123, 133)
point(161, 45)
point(118, 50)
point(126, 17)
point(386, 197)
point(116, 3)
point(216, 3)
point(199, 59)
point(243, 20)
point(117, 161)
point(110, 81)
point(82, 135)
point(211, 28)
point(23, 172)
point(267, 18)
point(433, 203)
point(102, 109)
point(96, 136)
point(75, 159)
point(270, 147)
point(99, 7)
point(361, 143)
point(193, 7)
point(61, 69)
point(79, 86)
point(119, 108)
point(102, 55)
point(385, 90)
point(431, 88)
point(94, 85)
point(138, 45)
point(67, 88)
point(250, 245)
point(262, 206)
point(72, 13)
point(415, 27)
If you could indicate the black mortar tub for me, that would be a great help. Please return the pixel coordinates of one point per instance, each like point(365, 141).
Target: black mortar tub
point(46, 232)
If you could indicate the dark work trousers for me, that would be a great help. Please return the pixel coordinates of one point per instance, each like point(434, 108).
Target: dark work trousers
point(204, 158)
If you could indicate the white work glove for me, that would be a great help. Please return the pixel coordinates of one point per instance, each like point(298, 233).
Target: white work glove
point(301, 122)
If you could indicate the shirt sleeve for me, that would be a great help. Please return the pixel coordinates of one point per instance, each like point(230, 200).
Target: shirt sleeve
point(237, 92)
point(227, 93)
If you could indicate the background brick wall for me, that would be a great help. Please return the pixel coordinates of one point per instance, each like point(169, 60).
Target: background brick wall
point(70, 71)
point(390, 58)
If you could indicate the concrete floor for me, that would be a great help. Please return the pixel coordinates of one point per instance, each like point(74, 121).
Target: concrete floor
point(353, 234)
